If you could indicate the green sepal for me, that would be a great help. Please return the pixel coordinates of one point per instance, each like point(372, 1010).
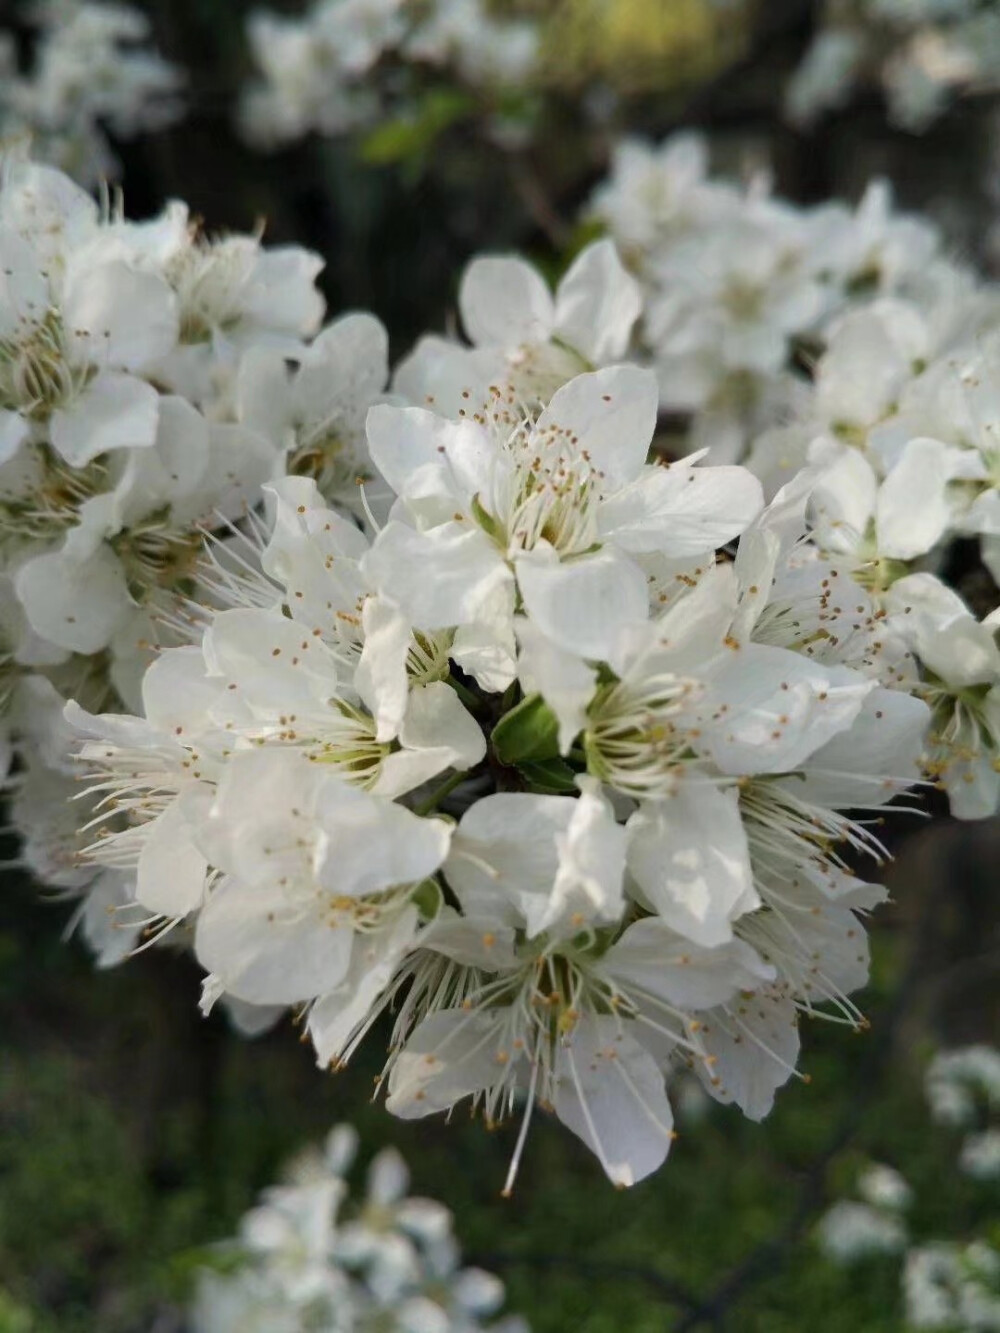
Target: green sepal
point(528, 733)
point(428, 899)
point(550, 777)
point(486, 521)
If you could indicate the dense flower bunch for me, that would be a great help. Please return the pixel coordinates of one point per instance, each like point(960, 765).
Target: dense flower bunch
point(478, 711)
point(128, 438)
point(947, 1284)
point(741, 289)
point(536, 766)
point(341, 65)
point(844, 343)
point(92, 71)
point(309, 1259)
point(921, 54)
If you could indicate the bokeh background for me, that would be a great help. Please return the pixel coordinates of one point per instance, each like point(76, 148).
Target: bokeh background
point(133, 1132)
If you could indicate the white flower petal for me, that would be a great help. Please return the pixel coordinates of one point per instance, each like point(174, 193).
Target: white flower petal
point(441, 578)
point(843, 501)
point(115, 411)
point(504, 302)
point(452, 1054)
point(275, 666)
point(380, 677)
point(610, 1093)
point(682, 511)
point(244, 937)
point(912, 511)
point(506, 850)
point(690, 858)
point(872, 760)
point(344, 369)
point(765, 710)
point(584, 605)
point(753, 1047)
point(597, 303)
point(588, 887)
point(654, 960)
point(336, 1016)
point(171, 871)
point(564, 681)
point(120, 316)
point(609, 415)
point(75, 597)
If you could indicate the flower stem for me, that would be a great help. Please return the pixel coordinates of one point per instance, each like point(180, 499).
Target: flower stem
point(436, 797)
point(467, 696)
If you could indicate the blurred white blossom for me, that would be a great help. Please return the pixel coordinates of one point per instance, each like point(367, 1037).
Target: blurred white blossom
point(92, 72)
point(946, 1283)
point(311, 1257)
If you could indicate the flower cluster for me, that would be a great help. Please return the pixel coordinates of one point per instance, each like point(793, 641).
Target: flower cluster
point(538, 765)
point(308, 1257)
point(946, 1284)
point(742, 289)
point(119, 349)
point(152, 378)
point(344, 62)
point(478, 711)
point(847, 344)
point(92, 72)
point(921, 54)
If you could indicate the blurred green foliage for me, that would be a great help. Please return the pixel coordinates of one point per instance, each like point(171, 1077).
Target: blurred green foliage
point(639, 46)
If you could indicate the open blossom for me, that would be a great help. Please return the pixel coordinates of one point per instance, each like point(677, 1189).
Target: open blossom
point(120, 454)
point(921, 53)
point(741, 291)
point(945, 1283)
point(72, 336)
point(901, 443)
point(560, 511)
point(525, 339)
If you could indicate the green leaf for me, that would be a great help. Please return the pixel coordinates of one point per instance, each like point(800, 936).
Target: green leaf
point(410, 138)
point(550, 777)
point(528, 733)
